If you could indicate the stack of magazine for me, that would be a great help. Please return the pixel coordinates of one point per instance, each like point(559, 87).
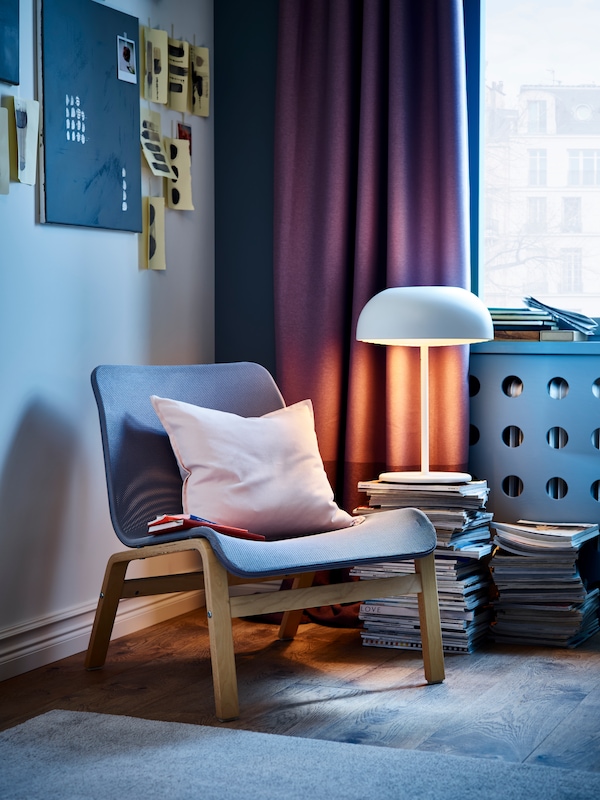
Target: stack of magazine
point(539, 574)
point(538, 321)
point(522, 323)
point(569, 320)
point(457, 511)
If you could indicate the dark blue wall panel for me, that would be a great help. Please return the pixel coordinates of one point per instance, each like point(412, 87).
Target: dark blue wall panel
point(244, 106)
point(91, 118)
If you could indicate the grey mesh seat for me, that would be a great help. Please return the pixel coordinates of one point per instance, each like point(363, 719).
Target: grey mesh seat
point(143, 481)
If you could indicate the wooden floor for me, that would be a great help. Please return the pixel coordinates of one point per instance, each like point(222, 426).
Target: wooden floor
point(518, 704)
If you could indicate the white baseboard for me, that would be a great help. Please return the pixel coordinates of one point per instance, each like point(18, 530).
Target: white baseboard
point(48, 639)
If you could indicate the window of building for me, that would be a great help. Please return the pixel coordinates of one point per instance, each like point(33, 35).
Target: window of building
point(584, 168)
point(570, 270)
point(537, 167)
point(536, 214)
point(571, 214)
point(534, 116)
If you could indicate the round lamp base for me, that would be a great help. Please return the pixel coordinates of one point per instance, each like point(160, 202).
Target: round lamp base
point(425, 477)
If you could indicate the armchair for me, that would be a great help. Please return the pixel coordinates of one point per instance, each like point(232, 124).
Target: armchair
point(144, 480)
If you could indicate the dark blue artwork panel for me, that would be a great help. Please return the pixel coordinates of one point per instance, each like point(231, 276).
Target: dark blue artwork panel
point(91, 116)
point(9, 41)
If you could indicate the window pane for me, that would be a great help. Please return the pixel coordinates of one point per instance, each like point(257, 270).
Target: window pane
point(571, 214)
point(541, 168)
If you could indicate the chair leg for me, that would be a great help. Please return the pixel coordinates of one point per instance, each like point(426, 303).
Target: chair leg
point(106, 611)
point(218, 611)
point(291, 619)
point(429, 616)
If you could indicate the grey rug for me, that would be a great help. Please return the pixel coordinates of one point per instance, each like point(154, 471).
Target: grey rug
point(68, 755)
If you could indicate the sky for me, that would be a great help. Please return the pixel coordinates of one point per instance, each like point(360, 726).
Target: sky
point(542, 42)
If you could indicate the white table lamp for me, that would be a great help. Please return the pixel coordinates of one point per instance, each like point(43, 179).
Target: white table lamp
point(424, 317)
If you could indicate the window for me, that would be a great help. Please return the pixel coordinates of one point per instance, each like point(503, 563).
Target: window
point(570, 273)
point(537, 167)
point(536, 214)
point(571, 215)
point(534, 130)
point(584, 168)
point(536, 116)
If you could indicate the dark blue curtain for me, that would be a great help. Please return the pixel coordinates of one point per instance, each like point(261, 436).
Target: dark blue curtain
point(371, 191)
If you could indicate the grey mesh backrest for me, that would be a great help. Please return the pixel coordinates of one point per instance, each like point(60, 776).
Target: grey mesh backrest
point(142, 475)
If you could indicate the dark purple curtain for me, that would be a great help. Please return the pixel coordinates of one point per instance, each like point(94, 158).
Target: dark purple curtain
point(371, 191)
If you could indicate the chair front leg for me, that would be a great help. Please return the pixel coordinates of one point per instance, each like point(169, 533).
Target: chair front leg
point(220, 633)
point(429, 617)
point(106, 610)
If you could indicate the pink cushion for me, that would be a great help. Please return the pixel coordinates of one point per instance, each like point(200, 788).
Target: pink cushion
point(261, 473)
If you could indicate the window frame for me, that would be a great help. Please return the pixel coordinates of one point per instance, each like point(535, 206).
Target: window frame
point(474, 34)
point(474, 22)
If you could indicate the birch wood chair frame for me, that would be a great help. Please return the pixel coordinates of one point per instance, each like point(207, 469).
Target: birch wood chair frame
point(143, 480)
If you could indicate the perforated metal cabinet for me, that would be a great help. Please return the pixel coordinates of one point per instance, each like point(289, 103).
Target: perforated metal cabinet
point(535, 429)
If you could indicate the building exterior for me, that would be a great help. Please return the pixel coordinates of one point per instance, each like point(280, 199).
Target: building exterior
point(542, 197)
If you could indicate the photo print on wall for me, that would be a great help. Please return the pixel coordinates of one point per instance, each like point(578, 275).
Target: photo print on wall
point(126, 60)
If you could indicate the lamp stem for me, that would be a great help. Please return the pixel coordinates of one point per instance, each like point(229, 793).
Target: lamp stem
point(424, 408)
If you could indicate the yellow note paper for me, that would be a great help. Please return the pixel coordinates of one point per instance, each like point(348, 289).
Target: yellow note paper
point(179, 74)
point(152, 239)
point(179, 191)
point(153, 144)
point(156, 65)
point(200, 79)
point(4, 153)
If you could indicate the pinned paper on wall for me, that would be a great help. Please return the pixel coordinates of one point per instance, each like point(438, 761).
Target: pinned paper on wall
point(179, 191)
point(179, 69)
point(4, 152)
point(200, 79)
point(153, 146)
point(27, 121)
point(185, 132)
point(126, 60)
point(156, 63)
point(152, 240)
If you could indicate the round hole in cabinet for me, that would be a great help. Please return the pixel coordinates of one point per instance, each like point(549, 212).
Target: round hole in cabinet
point(512, 436)
point(596, 387)
point(512, 486)
point(558, 388)
point(595, 490)
point(473, 435)
point(512, 386)
point(557, 438)
point(557, 488)
point(596, 438)
point(474, 386)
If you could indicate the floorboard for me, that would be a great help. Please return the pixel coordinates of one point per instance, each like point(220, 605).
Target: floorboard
point(518, 704)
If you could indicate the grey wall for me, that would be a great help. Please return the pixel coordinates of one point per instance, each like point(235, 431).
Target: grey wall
point(72, 298)
point(245, 60)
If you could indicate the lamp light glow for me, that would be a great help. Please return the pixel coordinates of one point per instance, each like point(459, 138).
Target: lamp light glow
point(424, 317)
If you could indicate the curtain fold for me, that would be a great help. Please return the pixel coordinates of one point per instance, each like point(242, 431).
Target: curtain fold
point(371, 191)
